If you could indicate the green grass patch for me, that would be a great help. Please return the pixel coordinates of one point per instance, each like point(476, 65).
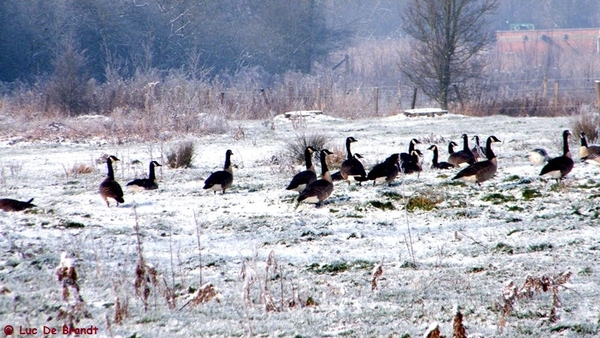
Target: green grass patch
point(408, 265)
point(498, 198)
point(337, 267)
point(587, 271)
point(504, 248)
point(71, 224)
point(382, 205)
point(515, 208)
point(422, 203)
point(529, 194)
point(512, 178)
point(392, 195)
point(540, 247)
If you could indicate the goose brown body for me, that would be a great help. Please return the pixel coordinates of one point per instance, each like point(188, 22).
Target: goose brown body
point(319, 190)
point(589, 153)
point(109, 188)
point(481, 171)
point(8, 204)
point(434, 160)
point(560, 166)
point(222, 179)
point(407, 157)
point(414, 165)
point(386, 171)
point(305, 177)
point(146, 183)
point(463, 157)
point(352, 169)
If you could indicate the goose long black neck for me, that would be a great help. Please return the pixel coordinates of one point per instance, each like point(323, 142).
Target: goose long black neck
point(308, 160)
point(566, 144)
point(348, 142)
point(583, 140)
point(111, 173)
point(435, 155)
point(411, 146)
point(227, 165)
point(152, 175)
point(465, 142)
point(488, 148)
point(324, 169)
point(476, 140)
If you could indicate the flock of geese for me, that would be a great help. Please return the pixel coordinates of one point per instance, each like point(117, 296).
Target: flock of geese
point(477, 165)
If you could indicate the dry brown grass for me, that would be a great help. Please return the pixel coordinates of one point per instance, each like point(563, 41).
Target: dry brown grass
point(531, 287)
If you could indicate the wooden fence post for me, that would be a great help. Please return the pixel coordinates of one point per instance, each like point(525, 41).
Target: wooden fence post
point(545, 86)
point(319, 98)
point(414, 99)
point(556, 94)
point(399, 96)
point(597, 86)
point(376, 101)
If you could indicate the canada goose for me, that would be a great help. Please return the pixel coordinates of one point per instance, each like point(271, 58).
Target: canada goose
point(478, 151)
point(222, 179)
point(589, 154)
point(411, 146)
point(301, 179)
point(434, 161)
point(8, 204)
point(109, 188)
point(560, 166)
point(352, 169)
point(481, 171)
point(385, 171)
point(538, 156)
point(146, 183)
point(317, 191)
point(414, 165)
point(463, 157)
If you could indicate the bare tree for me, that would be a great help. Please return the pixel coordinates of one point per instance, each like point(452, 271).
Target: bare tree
point(449, 36)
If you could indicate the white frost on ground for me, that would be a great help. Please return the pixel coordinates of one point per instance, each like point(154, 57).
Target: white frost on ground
point(462, 253)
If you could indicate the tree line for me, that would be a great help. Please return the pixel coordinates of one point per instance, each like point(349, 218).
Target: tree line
point(68, 43)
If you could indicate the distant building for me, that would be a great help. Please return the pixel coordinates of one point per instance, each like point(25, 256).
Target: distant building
point(525, 46)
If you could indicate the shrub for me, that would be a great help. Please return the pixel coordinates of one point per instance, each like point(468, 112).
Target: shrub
point(182, 156)
point(587, 121)
point(294, 149)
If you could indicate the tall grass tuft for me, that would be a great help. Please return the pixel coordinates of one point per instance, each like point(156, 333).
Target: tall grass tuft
point(294, 149)
point(587, 121)
point(181, 156)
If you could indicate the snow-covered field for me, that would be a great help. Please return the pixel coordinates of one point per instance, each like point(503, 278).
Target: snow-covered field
point(305, 272)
